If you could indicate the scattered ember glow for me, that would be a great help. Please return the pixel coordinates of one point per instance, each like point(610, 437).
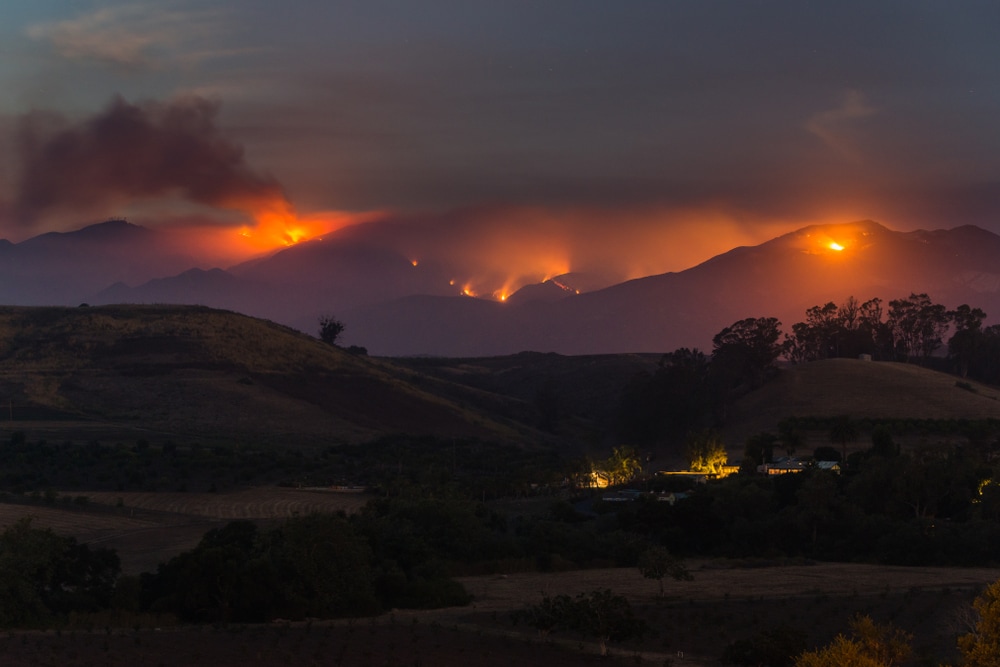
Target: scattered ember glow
point(564, 287)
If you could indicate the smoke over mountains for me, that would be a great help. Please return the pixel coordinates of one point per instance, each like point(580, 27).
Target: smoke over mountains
point(131, 152)
point(395, 305)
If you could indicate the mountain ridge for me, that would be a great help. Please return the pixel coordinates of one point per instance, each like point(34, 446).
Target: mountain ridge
point(394, 307)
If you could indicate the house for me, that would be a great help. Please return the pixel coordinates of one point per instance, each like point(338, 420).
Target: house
point(786, 465)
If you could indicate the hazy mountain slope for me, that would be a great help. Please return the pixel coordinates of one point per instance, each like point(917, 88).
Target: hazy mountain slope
point(780, 278)
point(395, 305)
point(199, 373)
point(68, 268)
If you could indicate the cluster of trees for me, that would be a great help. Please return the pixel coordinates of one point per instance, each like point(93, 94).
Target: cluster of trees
point(44, 576)
point(398, 465)
point(391, 555)
point(395, 553)
point(884, 645)
point(315, 566)
point(911, 329)
point(691, 390)
point(619, 468)
point(936, 506)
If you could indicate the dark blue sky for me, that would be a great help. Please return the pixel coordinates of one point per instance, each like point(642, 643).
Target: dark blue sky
point(692, 125)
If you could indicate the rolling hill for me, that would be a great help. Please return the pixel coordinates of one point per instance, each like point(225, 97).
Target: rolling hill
point(159, 372)
point(185, 372)
point(860, 390)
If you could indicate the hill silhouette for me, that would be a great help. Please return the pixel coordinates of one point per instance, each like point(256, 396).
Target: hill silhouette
point(185, 371)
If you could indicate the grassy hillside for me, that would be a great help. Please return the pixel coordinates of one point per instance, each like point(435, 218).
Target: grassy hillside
point(193, 372)
point(861, 389)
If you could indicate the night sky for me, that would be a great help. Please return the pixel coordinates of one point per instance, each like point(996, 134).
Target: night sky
point(646, 136)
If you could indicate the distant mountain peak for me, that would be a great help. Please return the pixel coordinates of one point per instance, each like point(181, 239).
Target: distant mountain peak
point(112, 227)
point(100, 232)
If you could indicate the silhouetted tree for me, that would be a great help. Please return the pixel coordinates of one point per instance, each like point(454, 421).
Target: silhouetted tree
point(746, 351)
point(658, 563)
point(882, 443)
point(706, 452)
point(830, 331)
point(606, 618)
point(965, 344)
point(667, 404)
point(843, 431)
point(330, 329)
point(918, 326)
point(758, 450)
point(43, 575)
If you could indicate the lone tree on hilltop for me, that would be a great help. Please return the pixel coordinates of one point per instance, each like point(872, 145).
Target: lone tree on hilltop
point(330, 329)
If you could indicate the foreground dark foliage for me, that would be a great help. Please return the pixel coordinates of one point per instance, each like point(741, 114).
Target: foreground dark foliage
point(44, 576)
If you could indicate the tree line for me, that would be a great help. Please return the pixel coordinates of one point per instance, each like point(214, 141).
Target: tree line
point(691, 390)
point(909, 329)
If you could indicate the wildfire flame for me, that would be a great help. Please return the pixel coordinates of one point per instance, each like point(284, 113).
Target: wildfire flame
point(276, 225)
point(833, 245)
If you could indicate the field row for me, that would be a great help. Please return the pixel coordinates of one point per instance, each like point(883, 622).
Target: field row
point(256, 503)
point(78, 523)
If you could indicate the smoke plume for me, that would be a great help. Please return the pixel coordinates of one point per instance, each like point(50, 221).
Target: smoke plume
point(133, 152)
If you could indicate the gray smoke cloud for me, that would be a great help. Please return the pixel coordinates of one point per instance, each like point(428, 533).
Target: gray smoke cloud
point(133, 152)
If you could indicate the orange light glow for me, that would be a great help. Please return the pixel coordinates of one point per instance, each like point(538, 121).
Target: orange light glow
point(276, 224)
point(415, 262)
point(835, 246)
